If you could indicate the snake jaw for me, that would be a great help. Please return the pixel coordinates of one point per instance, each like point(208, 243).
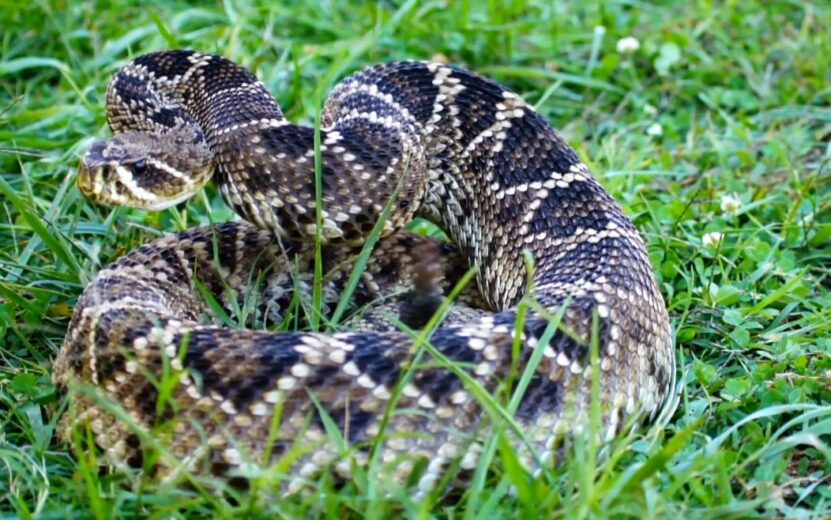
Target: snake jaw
point(94, 172)
point(90, 179)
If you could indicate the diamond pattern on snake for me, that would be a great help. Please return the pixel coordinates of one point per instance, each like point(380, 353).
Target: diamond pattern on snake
point(432, 140)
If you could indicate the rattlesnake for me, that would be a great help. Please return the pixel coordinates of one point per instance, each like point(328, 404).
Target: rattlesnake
point(464, 153)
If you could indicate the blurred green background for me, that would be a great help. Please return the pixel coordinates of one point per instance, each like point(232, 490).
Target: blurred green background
point(709, 121)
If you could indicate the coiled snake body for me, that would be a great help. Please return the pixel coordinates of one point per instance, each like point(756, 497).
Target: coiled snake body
point(466, 154)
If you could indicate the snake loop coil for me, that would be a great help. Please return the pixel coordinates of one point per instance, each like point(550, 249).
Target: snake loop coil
point(468, 155)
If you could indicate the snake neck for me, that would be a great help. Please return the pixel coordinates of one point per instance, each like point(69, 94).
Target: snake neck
point(265, 165)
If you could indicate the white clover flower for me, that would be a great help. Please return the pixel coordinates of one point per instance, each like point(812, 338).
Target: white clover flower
point(730, 204)
point(628, 45)
point(712, 239)
point(599, 30)
point(655, 129)
point(649, 109)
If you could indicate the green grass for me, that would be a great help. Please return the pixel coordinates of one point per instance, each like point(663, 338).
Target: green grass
point(719, 123)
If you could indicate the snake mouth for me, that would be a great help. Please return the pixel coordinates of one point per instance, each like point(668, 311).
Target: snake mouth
point(90, 179)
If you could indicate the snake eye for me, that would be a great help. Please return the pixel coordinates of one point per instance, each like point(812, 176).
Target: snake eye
point(139, 167)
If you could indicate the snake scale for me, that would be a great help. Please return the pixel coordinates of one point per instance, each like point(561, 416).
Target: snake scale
point(437, 142)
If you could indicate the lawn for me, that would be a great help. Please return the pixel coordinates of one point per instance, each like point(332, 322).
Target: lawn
point(709, 121)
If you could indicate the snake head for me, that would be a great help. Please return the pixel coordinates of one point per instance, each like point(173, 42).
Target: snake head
point(145, 170)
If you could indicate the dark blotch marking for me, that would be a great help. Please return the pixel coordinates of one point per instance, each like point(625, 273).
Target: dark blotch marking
point(440, 383)
point(418, 307)
point(391, 267)
point(136, 457)
point(372, 359)
point(541, 396)
point(321, 376)
point(271, 357)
